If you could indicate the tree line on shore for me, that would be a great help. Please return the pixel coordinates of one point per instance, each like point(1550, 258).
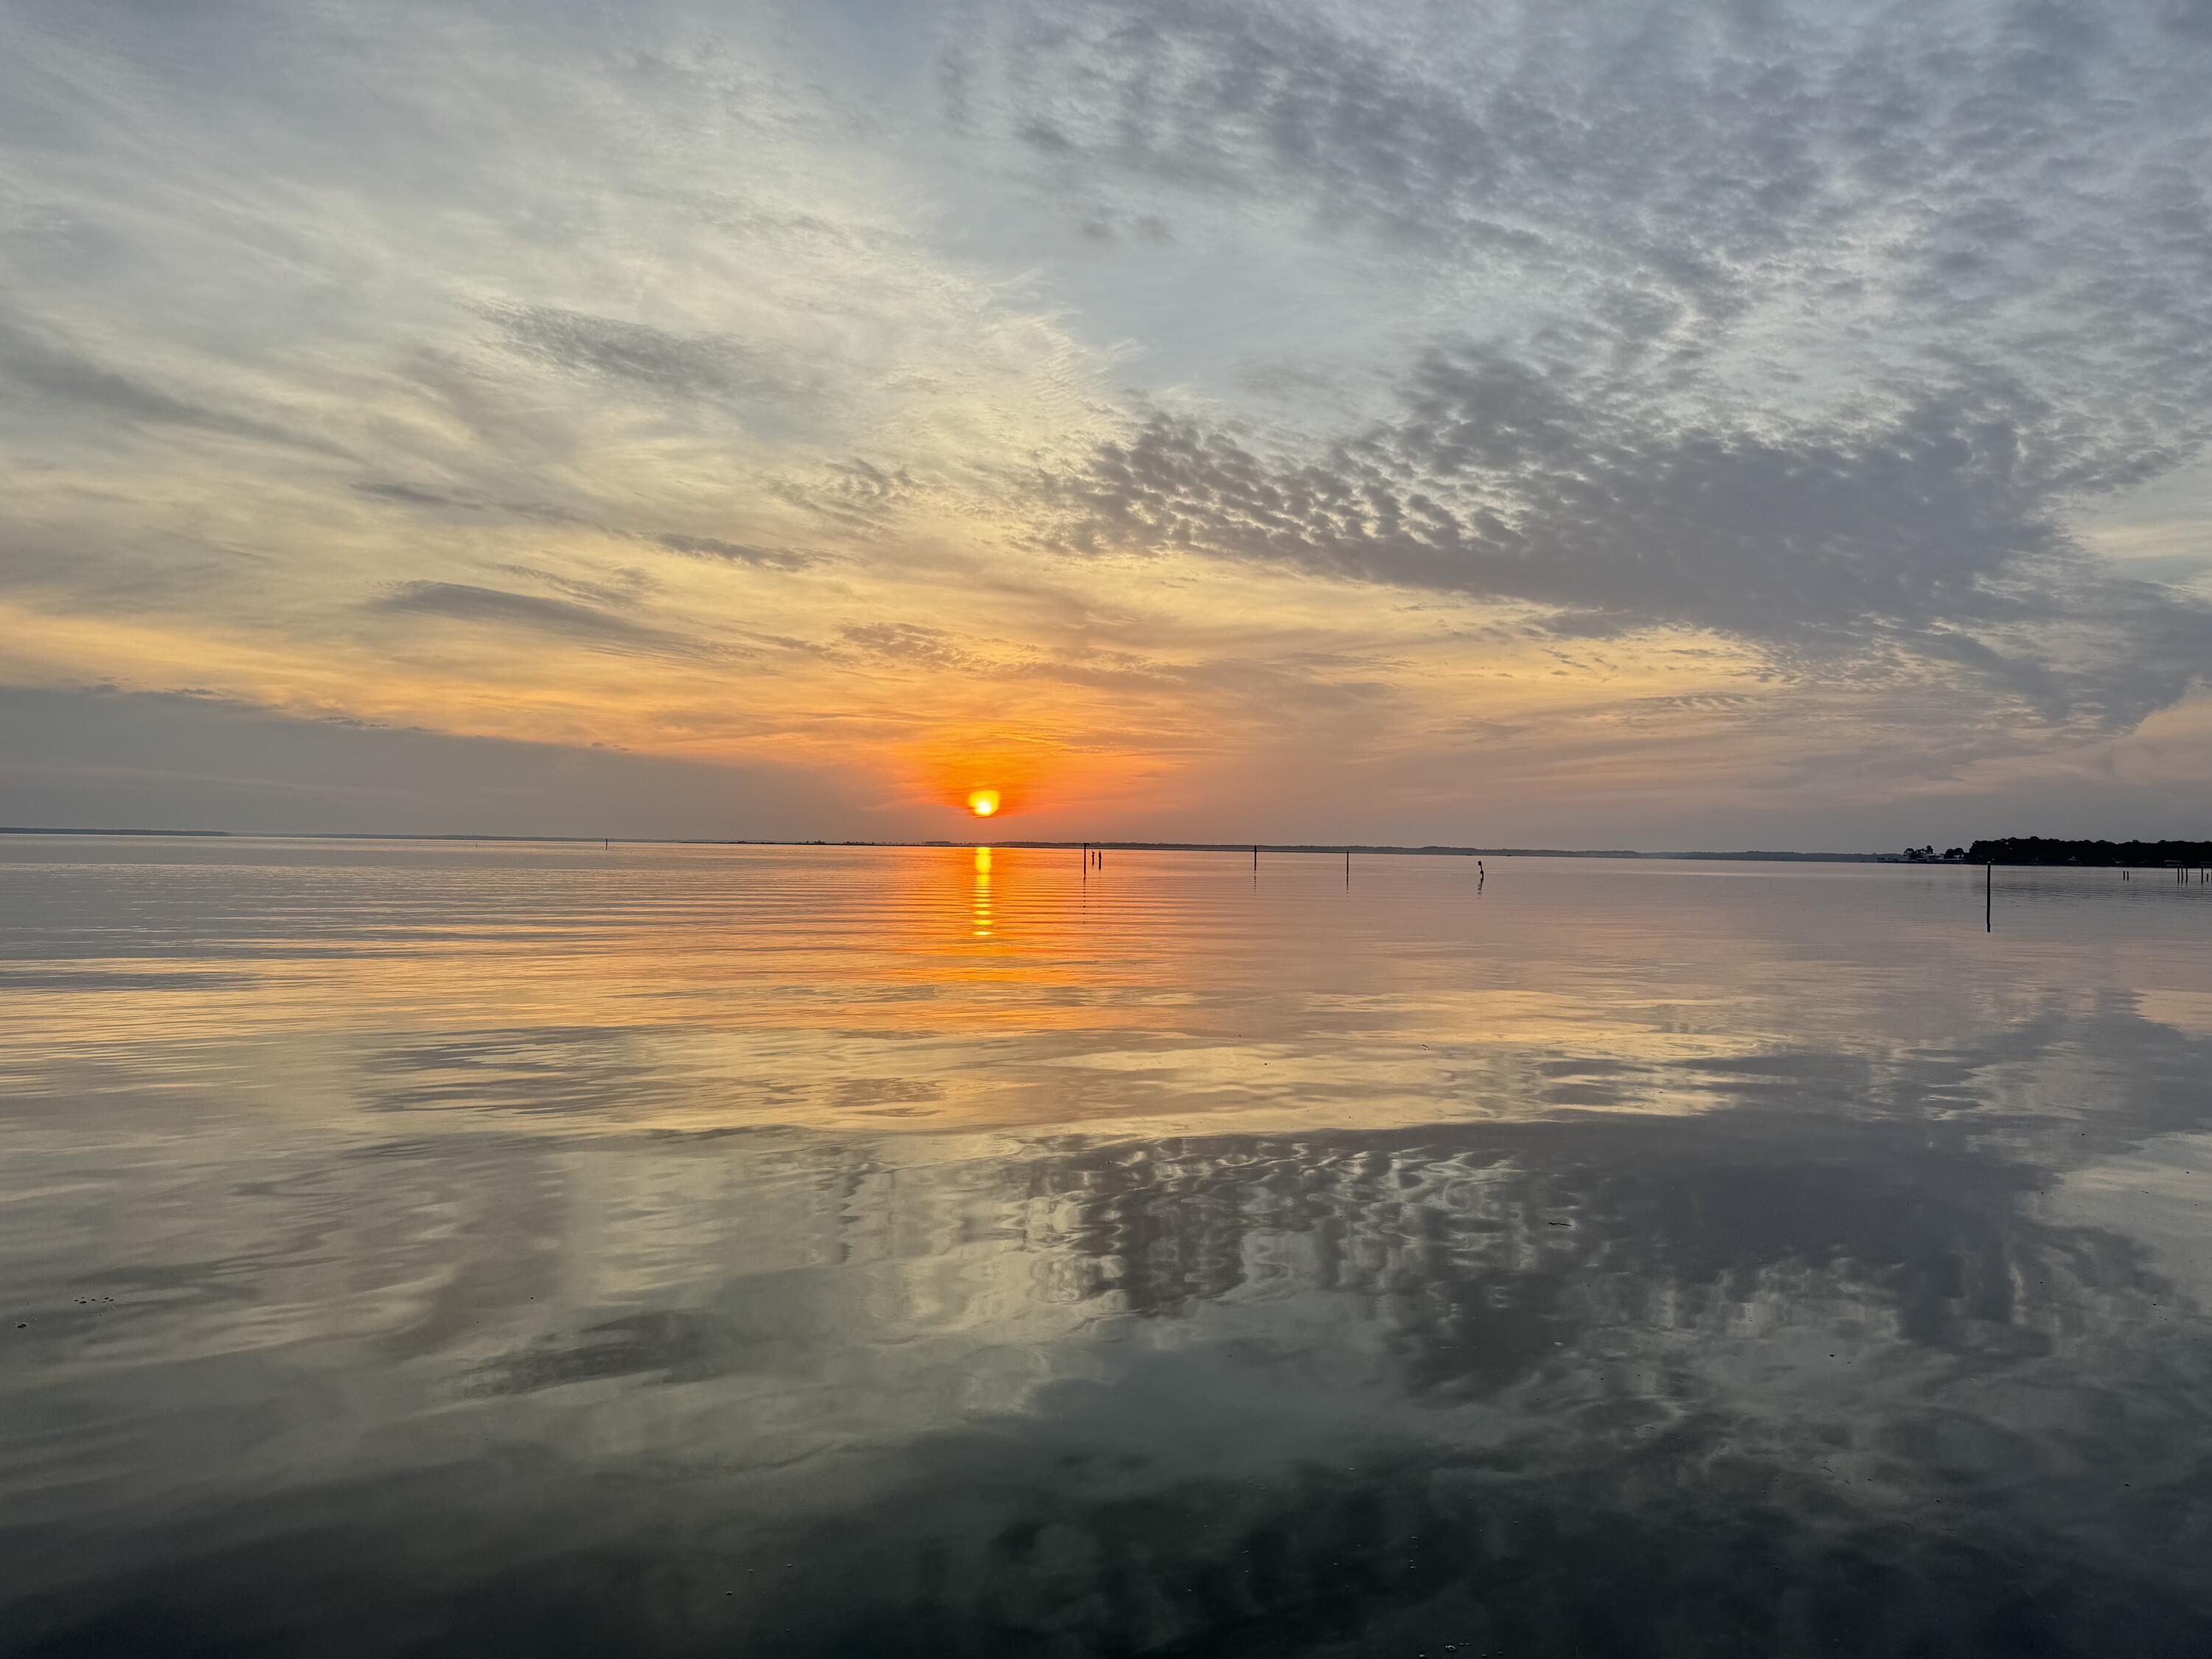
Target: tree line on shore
point(2043, 849)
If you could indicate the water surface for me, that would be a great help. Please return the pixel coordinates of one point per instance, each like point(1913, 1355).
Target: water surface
point(413, 1248)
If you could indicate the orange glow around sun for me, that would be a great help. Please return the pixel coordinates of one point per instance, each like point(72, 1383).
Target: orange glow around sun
point(983, 803)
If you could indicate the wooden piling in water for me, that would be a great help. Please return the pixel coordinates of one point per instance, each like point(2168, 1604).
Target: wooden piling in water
point(1989, 896)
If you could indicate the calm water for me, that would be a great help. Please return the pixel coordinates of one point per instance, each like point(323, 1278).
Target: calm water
point(411, 1249)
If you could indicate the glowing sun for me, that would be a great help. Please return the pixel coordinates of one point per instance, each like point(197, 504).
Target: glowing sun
point(983, 803)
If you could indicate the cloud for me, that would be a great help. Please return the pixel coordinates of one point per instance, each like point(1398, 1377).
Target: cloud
point(697, 547)
point(407, 495)
point(1933, 525)
point(680, 365)
point(1810, 326)
point(1689, 162)
point(620, 590)
point(564, 619)
point(63, 380)
point(909, 642)
point(855, 494)
point(77, 757)
point(713, 547)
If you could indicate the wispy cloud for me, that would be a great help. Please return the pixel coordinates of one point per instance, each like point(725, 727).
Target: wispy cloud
point(564, 619)
point(655, 360)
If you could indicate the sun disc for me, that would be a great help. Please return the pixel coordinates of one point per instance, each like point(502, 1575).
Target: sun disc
point(983, 803)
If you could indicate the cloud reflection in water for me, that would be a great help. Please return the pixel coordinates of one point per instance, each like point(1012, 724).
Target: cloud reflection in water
point(749, 1261)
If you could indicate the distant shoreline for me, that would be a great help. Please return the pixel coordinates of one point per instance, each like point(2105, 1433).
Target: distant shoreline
point(1335, 848)
point(2026, 851)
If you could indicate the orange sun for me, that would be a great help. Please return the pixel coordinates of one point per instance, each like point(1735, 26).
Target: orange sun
point(983, 803)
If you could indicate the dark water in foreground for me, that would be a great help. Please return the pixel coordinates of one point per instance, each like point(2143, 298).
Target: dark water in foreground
point(529, 1250)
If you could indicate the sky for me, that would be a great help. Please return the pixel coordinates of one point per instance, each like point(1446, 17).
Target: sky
point(1739, 424)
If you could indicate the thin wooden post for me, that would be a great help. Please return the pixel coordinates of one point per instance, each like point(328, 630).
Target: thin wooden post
point(1989, 895)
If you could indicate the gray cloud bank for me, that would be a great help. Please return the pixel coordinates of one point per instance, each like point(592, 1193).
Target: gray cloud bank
point(103, 758)
point(1807, 324)
point(1935, 531)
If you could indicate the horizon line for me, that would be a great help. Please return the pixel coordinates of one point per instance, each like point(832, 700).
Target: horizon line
point(1334, 848)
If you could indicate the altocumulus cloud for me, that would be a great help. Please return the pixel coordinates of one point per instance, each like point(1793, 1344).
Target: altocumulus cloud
point(1933, 528)
point(1808, 325)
